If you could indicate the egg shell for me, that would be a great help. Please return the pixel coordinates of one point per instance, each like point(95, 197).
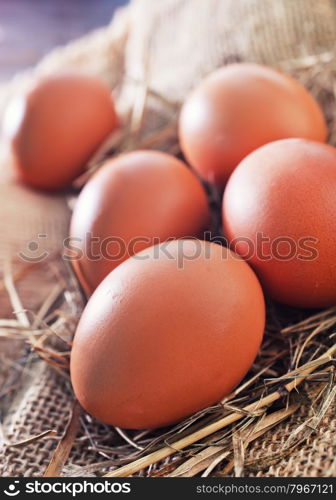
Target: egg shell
point(286, 193)
point(57, 126)
point(239, 108)
point(169, 332)
point(133, 201)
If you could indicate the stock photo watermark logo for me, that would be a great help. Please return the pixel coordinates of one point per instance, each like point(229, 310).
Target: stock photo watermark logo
point(115, 249)
point(12, 490)
point(67, 488)
point(34, 251)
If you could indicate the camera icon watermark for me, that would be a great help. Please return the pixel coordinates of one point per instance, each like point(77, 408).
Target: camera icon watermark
point(12, 489)
point(34, 251)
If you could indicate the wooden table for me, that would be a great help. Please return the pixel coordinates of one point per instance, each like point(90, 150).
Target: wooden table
point(31, 28)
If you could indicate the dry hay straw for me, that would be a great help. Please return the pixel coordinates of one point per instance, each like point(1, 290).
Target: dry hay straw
point(294, 367)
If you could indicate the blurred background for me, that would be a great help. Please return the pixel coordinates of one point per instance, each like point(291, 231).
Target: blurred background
point(31, 28)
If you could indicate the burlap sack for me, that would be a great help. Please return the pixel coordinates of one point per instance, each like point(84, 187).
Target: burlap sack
point(171, 45)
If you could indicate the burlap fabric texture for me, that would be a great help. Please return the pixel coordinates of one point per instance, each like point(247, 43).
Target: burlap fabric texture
point(171, 44)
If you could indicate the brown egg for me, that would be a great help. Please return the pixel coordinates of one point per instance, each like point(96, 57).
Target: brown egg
point(239, 108)
point(57, 126)
point(279, 213)
point(131, 203)
point(169, 332)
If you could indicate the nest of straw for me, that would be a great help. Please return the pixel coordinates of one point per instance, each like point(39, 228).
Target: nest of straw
point(295, 367)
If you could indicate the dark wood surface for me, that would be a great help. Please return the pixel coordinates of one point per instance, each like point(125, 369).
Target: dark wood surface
point(31, 28)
